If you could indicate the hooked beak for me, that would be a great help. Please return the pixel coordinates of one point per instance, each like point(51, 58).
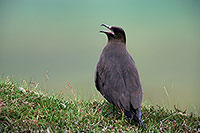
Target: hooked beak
point(107, 26)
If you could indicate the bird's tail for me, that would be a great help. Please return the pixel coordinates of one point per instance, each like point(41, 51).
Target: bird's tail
point(136, 116)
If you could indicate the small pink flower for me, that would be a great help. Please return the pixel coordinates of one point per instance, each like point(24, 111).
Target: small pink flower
point(100, 109)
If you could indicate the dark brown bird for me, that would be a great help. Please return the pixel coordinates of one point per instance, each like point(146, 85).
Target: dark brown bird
point(116, 75)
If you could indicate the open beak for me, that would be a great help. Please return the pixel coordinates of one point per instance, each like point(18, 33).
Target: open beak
point(109, 27)
point(106, 26)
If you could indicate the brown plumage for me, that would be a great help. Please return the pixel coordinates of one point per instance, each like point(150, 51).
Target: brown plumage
point(116, 75)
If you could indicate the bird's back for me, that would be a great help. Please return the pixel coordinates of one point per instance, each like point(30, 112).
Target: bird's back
point(117, 78)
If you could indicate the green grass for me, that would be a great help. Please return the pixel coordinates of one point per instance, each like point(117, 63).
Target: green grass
point(29, 110)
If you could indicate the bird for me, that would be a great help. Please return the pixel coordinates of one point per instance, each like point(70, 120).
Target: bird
point(116, 75)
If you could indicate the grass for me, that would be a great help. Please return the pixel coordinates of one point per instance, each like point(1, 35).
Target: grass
point(27, 110)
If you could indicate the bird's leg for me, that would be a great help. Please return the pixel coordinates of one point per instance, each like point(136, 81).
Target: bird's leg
point(132, 117)
point(113, 108)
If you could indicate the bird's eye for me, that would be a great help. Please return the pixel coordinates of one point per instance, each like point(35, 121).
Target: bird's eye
point(116, 30)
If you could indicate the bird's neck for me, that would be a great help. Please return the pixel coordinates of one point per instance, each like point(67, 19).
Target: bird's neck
point(116, 43)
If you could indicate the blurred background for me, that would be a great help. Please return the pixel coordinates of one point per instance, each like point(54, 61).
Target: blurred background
point(62, 37)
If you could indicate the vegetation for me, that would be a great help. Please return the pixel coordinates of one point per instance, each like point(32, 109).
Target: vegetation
point(24, 109)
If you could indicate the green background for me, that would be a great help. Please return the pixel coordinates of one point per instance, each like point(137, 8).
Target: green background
point(62, 37)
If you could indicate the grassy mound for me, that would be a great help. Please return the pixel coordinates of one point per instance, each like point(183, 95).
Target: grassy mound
point(24, 109)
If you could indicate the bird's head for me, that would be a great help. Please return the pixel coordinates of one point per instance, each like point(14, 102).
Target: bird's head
point(115, 33)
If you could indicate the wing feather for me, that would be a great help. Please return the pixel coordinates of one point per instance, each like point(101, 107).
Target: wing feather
point(117, 79)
